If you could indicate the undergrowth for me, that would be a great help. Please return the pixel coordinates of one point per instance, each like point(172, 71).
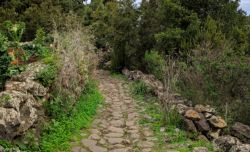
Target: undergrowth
point(169, 131)
point(57, 134)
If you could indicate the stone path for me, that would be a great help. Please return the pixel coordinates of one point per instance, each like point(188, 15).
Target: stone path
point(116, 127)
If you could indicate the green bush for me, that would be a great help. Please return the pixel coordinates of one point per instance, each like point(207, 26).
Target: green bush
point(40, 36)
point(220, 82)
point(47, 76)
point(35, 50)
point(155, 64)
point(4, 60)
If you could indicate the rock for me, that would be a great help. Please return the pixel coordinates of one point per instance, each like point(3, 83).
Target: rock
point(30, 72)
point(114, 135)
point(94, 137)
point(17, 115)
point(241, 131)
point(117, 123)
point(146, 144)
point(202, 124)
point(189, 125)
point(208, 115)
point(114, 141)
point(225, 143)
point(19, 109)
point(126, 72)
point(214, 134)
point(181, 108)
point(116, 130)
point(217, 122)
point(162, 129)
point(1, 149)
point(240, 148)
point(192, 114)
point(203, 109)
point(202, 137)
point(200, 149)
point(34, 88)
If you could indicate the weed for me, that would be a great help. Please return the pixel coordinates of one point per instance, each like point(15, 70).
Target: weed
point(4, 99)
point(141, 88)
point(57, 134)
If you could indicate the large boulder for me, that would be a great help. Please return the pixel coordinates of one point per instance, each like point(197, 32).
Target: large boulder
point(241, 131)
point(217, 122)
point(225, 143)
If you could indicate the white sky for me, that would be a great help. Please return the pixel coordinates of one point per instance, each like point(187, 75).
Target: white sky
point(244, 4)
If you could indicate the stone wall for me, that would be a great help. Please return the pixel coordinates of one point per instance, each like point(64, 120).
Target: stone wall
point(21, 103)
point(201, 119)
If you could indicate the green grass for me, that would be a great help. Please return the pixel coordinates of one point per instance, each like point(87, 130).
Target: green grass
point(157, 120)
point(58, 133)
point(118, 75)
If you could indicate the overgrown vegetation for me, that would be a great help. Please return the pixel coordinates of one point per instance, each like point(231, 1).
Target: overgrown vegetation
point(170, 131)
point(208, 40)
point(73, 97)
point(14, 54)
point(57, 134)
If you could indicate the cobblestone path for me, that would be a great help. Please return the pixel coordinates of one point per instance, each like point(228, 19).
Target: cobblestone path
point(116, 128)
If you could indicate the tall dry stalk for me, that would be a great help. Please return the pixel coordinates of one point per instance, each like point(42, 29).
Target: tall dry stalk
point(74, 49)
point(171, 74)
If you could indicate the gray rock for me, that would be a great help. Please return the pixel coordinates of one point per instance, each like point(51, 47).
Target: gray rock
point(203, 109)
point(200, 149)
point(18, 106)
point(225, 143)
point(202, 124)
point(217, 122)
point(240, 148)
point(181, 108)
point(214, 134)
point(189, 125)
point(1, 149)
point(241, 131)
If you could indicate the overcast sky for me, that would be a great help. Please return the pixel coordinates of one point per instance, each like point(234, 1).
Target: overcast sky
point(245, 5)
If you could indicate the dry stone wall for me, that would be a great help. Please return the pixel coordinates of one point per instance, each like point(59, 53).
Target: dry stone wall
point(19, 105)
point(200, 119)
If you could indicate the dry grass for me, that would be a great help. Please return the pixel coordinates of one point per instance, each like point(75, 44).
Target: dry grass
point(76, 57)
